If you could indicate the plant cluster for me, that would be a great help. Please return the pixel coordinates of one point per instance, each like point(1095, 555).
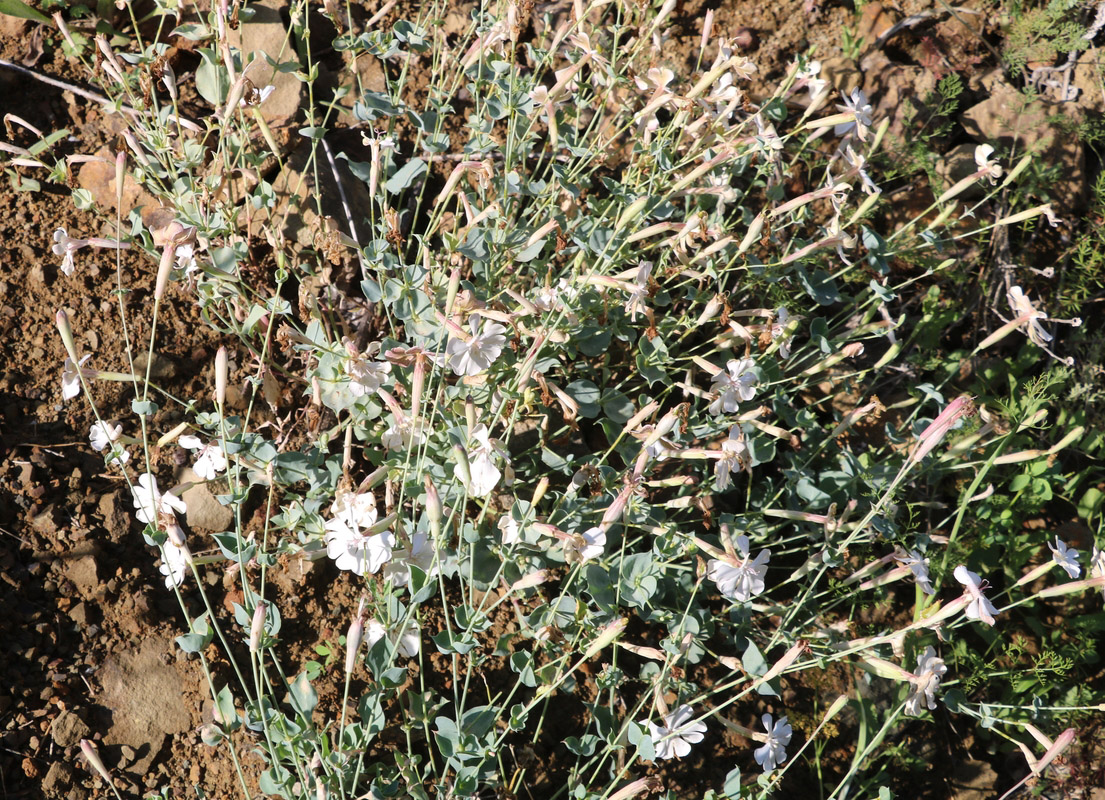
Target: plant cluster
point(584, 395)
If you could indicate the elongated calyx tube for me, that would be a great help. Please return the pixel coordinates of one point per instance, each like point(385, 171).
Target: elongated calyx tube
point(257, 626)
point(220, 377)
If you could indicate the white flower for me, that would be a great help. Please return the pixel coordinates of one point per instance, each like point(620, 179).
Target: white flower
point(1023, 307)
point(174, 563)
point(582, 547)
point(66, 246)
point(733, 386)
point(367, 376)
point(351, 547)
point(210, 461)
point(186, 258)
point(982, 158)
point(773, 753)
point(674, 738)
point(779, 328)
point(421, 553)
point(407, 640)
point(735, 458)
point(511, 530)
point(102, 435)
point(860, 109)
point(484, 474)
point(70, 377)
point(923, 684)
point(1097, 565)
point(980, 607)
point(150, 503)
point(639, 293)
point(740, 578)
point(400, 435)
point(1066, 557)
point(919, 566)
point(479, 352)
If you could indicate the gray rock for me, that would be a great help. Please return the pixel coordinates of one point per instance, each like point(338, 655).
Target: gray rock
point(68, 729)
point(204, 511)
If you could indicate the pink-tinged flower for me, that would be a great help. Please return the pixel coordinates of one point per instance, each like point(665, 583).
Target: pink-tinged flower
point(740, 578)
point(582, 547)
point(931, 436)
point(860, 111)
point(71, 376)
point(1066, 557)
point(674, 738)
point(406, 640)
point(773, 753)
point(421, 554)
point(925, 682)
point(349, 538)
point(210, 459)
point(979, 608)
point(735, 458)
point(103, 437)
point(150, 503)
point(480, 351)
point(919, 566)
point(174, 564)
point(737, 383)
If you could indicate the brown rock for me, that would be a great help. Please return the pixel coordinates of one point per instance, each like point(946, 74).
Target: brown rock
point(68, 729)
point(82, 572)
point(958, 164)
point(843, 73)
point(204, 511)
point(265, 34)
point(875, 20)
point(58, 780)
point(98, 178)
point(897, 92)
point(146, 699)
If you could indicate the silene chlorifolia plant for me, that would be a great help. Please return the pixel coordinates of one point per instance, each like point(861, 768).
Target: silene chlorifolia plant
point(575, 391)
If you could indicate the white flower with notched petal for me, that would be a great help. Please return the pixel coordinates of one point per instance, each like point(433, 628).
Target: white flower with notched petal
point(1066, 557)
point(103, 437)
point(979, 607)
point(925, 682)
point(737, 383)
point(1097, 565)
point(735, 458)
point(482, 451)
point(174, 564)
point(71, 377)
point(583, 547)
point(407, 640)
point(149, 502)
point(990, 169)
point(740, 578)
point(366, 376)
point(421, 554)
point(919, 566)
point(779, 328)
point(66, 246)
point(674, 738)
point(348, 542)
point(773, 753)
point(1023, 307)
point(210, 459)
point(479, 352)
point(860, 111)
point(638, 294)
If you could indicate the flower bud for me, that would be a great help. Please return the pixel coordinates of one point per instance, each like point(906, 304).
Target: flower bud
point(465, 472)
point(220, 377)
point(93, 756)
point(62, 321)
point(433, 507)
point(163, 268)
point(257, 626)
point(353, 640)
point(539, 492)
point(470, 413)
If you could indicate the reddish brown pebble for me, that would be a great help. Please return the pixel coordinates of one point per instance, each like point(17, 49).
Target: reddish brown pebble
point(746, 39)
